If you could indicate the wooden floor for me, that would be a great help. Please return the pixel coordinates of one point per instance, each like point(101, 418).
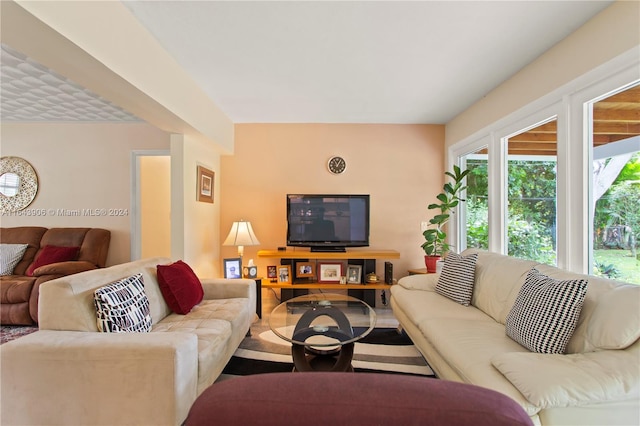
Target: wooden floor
point(271, 299)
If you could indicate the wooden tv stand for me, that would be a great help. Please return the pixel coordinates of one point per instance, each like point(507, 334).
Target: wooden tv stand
point(363, 257)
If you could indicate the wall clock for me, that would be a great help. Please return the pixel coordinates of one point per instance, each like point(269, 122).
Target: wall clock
point(336, 165)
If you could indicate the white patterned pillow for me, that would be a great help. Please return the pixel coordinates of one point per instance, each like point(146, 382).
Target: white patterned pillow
point(10, 255)
point(457, 278)
point(123, 306)
point(545, 313)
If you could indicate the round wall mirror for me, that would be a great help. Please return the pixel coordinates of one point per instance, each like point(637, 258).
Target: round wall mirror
point(18, 184)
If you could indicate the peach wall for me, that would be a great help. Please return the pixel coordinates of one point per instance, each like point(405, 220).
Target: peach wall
point(400, 166)
point(81, 166)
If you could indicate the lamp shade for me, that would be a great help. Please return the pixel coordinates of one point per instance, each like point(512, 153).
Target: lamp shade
point(241, 234)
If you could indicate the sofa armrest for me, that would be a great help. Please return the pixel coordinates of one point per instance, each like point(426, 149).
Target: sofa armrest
point(220, 288)
point(64, 268)
point(426, 282)
point(107, 378)
point(555, 380)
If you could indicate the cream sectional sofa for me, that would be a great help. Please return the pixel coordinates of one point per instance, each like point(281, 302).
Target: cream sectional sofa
point(68, 373)
point(597, 381)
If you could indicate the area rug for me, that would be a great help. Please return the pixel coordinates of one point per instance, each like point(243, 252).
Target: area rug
point(384, 350)
point(12, 332)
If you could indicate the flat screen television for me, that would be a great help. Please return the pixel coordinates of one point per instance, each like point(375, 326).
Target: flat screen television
point(327, 222)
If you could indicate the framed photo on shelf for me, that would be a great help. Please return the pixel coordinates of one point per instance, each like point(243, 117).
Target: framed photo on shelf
point(304, 270)
point(272, 273)
point(329, 272)
point(354, 274)
point(233, 268)
point(284, 274)
point(205, 184)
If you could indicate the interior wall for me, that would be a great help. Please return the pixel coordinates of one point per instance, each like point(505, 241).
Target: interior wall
point(155, 206)
point(195, 234)
point(609, 34)
point(81, 167)
point(400, 166)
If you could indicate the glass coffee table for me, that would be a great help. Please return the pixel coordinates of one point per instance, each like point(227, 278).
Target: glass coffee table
point(322, 329)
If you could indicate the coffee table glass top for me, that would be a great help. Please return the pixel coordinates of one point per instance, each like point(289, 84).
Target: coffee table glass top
point(322, 320)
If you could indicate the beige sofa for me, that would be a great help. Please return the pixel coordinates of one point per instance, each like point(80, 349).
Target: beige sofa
point(68, 373)
point(596, 382)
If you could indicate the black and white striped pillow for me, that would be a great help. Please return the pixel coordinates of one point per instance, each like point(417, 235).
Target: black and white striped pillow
point(545, 313)
point(123, 306)
point(458, 277)
point(10, 255)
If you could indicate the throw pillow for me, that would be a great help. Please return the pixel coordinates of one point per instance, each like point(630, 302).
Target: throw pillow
point(10, 255)
point(545, 312)
point(180, 286)
point(123, 306)
point(53, 254)
point(457, 278)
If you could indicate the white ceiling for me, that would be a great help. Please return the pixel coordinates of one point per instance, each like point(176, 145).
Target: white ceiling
point(351, 61)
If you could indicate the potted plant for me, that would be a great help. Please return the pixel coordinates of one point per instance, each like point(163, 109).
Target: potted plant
point(435, 245)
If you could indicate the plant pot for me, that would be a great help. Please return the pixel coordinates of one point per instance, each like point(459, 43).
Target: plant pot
point(430, 263)
point(439, 265)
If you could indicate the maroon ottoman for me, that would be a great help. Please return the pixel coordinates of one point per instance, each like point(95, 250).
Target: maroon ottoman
point(322, 398)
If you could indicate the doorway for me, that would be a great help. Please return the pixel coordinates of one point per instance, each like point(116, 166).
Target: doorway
point(151, 204)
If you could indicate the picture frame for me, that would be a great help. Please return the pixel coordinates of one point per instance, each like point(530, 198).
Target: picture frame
point(304, 270)
point(205, 184)
point(329, 272)
point(272, 271)
point(284, 274)
point(233, 268)
point(354, 274)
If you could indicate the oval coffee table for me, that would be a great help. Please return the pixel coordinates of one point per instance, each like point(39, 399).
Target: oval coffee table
point(322, 329)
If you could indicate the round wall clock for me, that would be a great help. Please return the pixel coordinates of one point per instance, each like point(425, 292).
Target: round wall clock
point(336, 165)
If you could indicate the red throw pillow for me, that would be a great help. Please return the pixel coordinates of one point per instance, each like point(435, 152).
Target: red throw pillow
point(53, 254)
point(180, 287)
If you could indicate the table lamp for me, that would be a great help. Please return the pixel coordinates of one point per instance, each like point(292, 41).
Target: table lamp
point(241, 235)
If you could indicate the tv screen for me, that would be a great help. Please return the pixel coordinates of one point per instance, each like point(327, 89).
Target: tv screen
point(327, 222)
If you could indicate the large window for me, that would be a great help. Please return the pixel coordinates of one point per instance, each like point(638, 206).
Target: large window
point(531, 194)
point(477, 199)
point(558, 180)
point(616, 185)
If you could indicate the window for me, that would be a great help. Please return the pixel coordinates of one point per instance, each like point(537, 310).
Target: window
point(531, 193)
point(477, 196)
point(615, 191)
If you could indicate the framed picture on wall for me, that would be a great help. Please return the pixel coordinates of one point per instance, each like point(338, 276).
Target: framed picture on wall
point(205, 185)
point(233, 268)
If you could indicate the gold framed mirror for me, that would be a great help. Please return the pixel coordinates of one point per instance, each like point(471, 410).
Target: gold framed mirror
point(18, 184)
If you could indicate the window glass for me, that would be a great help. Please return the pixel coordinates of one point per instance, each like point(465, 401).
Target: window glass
point(531, 193)
point(616, 185)
point(477, 204)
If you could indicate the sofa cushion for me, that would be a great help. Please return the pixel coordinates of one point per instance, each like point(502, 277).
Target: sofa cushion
point(546, 312)
point(493, 293)
point(468, 345)
point(122, 306)
point(457, 278)
point(557, 380)
point(180, 286)
point(610, 314)
point(10, 255)
point(53, 254)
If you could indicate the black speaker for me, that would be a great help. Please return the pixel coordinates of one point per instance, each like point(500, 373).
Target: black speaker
point(388, 272)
